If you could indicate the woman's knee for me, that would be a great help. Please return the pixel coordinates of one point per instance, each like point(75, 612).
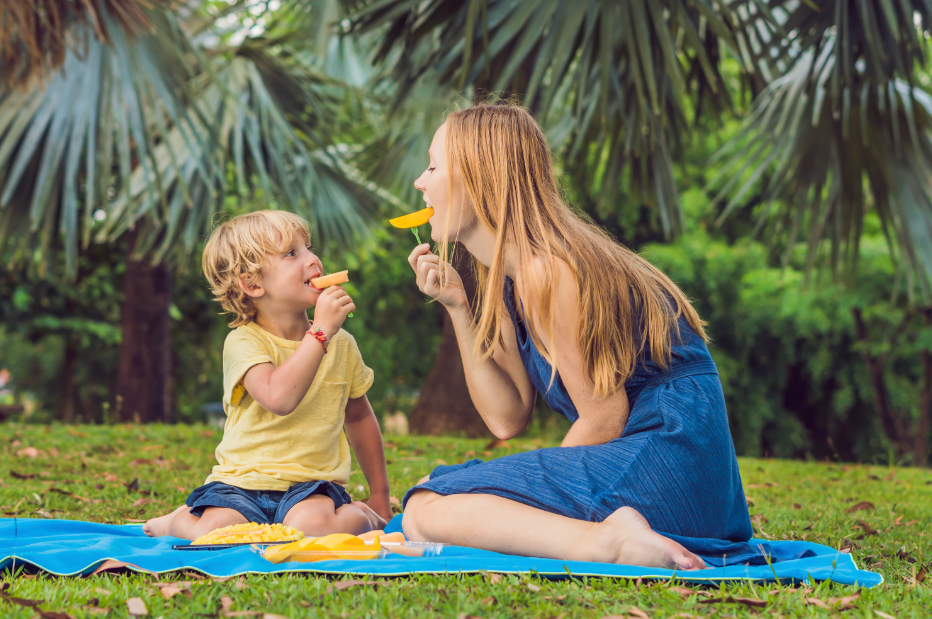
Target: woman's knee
point(415, 519)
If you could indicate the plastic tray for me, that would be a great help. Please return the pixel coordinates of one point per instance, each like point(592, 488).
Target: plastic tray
point(389, 549)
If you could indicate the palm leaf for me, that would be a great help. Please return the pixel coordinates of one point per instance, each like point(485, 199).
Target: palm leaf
point(615, 74)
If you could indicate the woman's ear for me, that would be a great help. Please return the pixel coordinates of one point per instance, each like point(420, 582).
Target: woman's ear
point(252, 289)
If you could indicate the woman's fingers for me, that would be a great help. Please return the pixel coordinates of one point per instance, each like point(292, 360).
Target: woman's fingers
point(418, 251)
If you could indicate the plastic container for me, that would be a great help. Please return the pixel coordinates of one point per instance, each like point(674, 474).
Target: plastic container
point(389, 549)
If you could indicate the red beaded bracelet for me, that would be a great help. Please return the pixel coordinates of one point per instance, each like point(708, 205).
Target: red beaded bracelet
point(320, 336)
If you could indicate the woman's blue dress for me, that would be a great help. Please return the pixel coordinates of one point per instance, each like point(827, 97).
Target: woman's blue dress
point(674, 463)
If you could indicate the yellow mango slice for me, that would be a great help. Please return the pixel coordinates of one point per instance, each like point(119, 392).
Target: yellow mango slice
point(370, 535)
point(397, 538)
point(413, 220)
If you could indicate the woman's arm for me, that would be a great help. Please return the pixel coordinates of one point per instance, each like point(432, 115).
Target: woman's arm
point(365, 439)
point(600, 419)
point(499, 385)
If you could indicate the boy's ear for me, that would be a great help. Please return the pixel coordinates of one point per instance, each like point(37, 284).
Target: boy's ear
point(253, 290)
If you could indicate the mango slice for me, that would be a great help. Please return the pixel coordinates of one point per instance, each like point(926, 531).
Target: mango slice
point(413, 220)
point(371, 535)
point(335, 546)
point(396, 538)
point(330, 280)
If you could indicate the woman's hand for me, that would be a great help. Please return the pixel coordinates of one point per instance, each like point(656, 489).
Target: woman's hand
point(427, 267)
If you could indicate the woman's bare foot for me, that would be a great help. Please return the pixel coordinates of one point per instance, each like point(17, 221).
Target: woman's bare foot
point(375, 521)
point(159, 527)
point(628, 538)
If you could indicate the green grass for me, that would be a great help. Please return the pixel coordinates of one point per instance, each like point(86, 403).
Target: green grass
point(83, 473)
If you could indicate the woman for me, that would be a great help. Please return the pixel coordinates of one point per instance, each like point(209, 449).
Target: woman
point(647, 474)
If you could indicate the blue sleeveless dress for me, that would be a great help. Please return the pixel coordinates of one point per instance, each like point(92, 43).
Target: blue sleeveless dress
point(674, 463)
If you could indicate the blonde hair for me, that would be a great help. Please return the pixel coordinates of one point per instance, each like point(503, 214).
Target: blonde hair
point(239, 246)
point(625, 303)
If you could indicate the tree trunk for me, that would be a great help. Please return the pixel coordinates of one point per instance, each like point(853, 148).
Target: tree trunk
point(66, 382)
point(143, 378)
point(444, 405)
point(921, 440)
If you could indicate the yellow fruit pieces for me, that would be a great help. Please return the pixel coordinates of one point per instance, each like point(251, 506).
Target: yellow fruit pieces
point(335, 546)
point(249, 532)
point(413, 220)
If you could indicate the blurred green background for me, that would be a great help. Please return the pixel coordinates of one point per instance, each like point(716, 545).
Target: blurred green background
point(811, 269)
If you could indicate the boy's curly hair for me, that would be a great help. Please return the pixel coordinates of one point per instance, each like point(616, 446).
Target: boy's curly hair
point(239, 246)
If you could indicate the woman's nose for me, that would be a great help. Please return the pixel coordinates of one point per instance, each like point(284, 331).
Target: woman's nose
point(419, 183)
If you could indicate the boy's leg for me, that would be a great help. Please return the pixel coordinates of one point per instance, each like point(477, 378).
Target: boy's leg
point(316, 516)
point(182, 523)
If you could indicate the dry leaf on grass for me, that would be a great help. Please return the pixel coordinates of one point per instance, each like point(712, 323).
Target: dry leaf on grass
point(884, 615)
point(113, 564)
point(489, 601)
point(863, 505)
point(465, 616)
point(110, 477)
point(18, 601)
point(495, 578)
point(53, 614)
point(346, 584)
point(735, 600)
point(28, 452)
point(16, 475)
point(241, 584)
point(533, 587)
point(393, 500)
point(102, 592)
point(226, 603)
point(637, 612)
point(137, 607)
point(141, 502)
point(95, 610)
point(171, 591)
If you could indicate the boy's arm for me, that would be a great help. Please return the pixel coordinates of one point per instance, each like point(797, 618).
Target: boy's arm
point(280, 389)
point(365, 439)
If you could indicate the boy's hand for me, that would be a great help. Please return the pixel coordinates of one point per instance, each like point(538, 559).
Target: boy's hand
point(333, 305)
point(381, 505)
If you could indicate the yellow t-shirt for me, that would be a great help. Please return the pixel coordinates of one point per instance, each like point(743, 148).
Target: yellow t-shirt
point(264, 451)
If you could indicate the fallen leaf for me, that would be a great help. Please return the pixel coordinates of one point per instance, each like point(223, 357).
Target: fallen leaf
point(170, 591)
point(465, 616)
point(797, 506)
point(533, 587)
point(867, 528)
point(393, 500)
point(102, 592)
point(863, 505)
point(16, 475)
point(733, 600)
point(226, 603)
point(28, 452)
point(845, 602)
point(43, 513)
point(151, 447)
point(816, 602)
point(141, 502)
point(637, 612)
point(273, 616)
point(495, 578)
point(133, 485)
point(346, 584)
point(21, 601)
point(52, 614)
point(70, 494)
point(140, 461)
point(241, 584)
point(489, 601)
point(441, 462)
point(890, 475)
point(137, 607)
point(487, 454)
point(884, 615)
point(684, 591)
point(110, 477)
point(748, 500)
point(498, 444)
point(96, 610)
point(77, 433)
point(53, 451)
point(113, 564)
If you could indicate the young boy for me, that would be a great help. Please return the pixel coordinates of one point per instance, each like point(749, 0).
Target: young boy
point(290, 388)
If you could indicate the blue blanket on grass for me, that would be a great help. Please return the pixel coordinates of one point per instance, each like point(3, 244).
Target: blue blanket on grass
point(73, 548)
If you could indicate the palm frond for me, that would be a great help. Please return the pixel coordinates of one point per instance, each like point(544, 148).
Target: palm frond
point(820, 161)
point(58, 143)
point(614, 74)
point(36, 35)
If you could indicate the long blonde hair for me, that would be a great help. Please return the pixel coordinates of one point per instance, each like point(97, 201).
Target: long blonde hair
point(626, 303)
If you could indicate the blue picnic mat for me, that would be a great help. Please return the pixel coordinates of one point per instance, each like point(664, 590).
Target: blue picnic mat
point(74, 548)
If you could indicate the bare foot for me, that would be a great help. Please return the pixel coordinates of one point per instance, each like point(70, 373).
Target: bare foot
point(375, 521)
point(631, 541)
point(159, 527)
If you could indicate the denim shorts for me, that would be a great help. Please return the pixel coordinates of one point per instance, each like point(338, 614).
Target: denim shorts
point(262, 506)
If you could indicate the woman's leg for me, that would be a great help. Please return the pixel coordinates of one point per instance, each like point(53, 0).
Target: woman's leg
point(495, 523)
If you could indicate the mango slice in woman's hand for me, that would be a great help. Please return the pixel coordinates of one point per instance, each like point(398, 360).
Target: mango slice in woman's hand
point(413, 220)
point(330, 280)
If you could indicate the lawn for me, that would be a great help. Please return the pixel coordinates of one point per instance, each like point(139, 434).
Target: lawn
point(115, 474)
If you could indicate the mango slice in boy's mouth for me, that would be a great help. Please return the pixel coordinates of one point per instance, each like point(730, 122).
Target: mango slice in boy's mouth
point(413, 220)
point(330, 280)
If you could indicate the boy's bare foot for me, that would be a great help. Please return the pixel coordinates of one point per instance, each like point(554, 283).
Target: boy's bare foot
point(628, 538)
point(375, 521)
point(159, 527)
